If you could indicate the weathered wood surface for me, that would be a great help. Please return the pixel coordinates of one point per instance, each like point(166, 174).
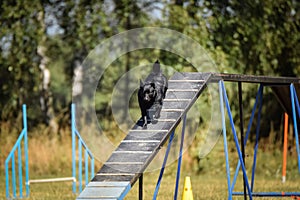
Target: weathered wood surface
point(140, 146)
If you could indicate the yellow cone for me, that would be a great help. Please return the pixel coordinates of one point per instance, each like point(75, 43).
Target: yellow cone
point(187, 190)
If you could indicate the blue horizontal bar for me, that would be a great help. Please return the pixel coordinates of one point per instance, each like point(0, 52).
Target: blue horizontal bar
point(270, 194)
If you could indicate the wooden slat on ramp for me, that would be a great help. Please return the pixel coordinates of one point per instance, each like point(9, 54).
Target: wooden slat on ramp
point(140, 146)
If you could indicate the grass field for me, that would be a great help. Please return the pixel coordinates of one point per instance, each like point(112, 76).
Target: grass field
point(51, 158)
point(203, 186)
point(212, 184)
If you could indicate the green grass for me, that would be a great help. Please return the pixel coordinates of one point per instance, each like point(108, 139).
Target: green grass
point(50, 157)
point(211, 185)
point(204, 187)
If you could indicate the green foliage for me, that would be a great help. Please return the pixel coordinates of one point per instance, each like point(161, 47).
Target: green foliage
point(250, 37)
point(260, 37)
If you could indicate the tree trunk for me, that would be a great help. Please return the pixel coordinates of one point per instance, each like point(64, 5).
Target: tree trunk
point(46, 95)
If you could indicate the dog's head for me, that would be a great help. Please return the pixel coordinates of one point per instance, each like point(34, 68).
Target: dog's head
point(148, 91)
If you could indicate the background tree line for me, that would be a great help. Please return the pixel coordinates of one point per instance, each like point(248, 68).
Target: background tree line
point(43, 44)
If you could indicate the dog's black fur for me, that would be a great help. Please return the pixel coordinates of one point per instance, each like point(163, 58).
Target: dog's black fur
point(152, 92)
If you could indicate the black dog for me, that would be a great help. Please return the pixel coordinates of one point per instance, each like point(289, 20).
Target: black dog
point(152, 92)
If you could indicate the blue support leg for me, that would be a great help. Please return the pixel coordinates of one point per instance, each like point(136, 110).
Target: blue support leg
point(225, 141)
point(13, 175)
point(236, 139)
point(80, 165)
point(180, 158)
point(256, 141)
point(296, 101)
point(86, 167)
point(163, 167)
point(293, 98)
point(73, 146)
point(26, 150)
point(20, 170)
point(259, 93)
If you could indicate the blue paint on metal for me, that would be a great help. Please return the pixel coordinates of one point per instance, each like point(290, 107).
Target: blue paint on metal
point(293, 99)
point(180, 157)
point(163, 166)
point(225, 140)
point(6, 180)
point(258, 95)
point(86, 161)
point(11, 157)
point(92, 167)
point(26, 150)
point(127, 189)
point(87, 152)
point(235, 138)
point(256, 140)
point(80, 165)
point(296, 101)
point(73, 122)
point(20, 170)
point(295, 109)
point(13, 175)
point(271, 194)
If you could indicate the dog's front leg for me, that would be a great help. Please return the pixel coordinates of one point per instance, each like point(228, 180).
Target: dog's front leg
point(157, 110)
point(145, 121)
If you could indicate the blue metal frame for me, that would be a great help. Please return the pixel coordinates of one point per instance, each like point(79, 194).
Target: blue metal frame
point(87, 154)
point(165, 162)
point(163, 167)
point(11, 157)
point(180, 158)
point(259, 99)
point(223, 97)
point(294, 100)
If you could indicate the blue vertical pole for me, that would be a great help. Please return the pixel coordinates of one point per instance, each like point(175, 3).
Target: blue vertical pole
point(236, 140)
point(296, 101)
point(20, 170)
point(92, 167)
point(86, 162)
point(13, 175)
point(26, 150)
point(297, 141)
point(293, 97)
point(225, 140)
point(73, 114)
point(163, 166)
point(80, 165)
point(256, 140)
point(6, 179)
point(180, 158)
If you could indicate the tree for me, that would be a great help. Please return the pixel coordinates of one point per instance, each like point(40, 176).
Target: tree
point(19, 58)
point(261, 37)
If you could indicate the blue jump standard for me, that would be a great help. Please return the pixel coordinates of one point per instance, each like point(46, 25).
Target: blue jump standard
point(128, 162)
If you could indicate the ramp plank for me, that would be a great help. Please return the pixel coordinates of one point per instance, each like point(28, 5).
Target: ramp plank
point(140, 146)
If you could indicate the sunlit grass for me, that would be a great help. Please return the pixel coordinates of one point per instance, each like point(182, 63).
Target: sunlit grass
point(50, 157)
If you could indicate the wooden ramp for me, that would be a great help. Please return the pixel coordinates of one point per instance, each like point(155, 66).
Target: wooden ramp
point(140, 146)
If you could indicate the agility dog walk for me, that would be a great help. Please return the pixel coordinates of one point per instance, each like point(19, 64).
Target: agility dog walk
point(137, 150)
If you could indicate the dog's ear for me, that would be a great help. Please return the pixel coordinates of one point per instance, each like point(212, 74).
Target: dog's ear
point(152, 85)
point(141, 83)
